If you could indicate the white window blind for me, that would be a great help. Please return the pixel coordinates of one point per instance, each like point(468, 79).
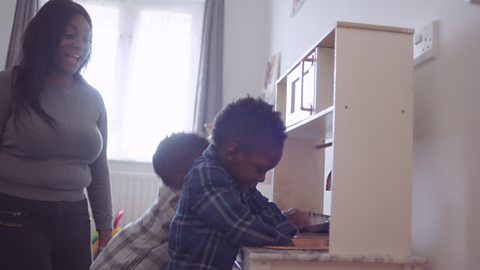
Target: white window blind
point(145, 63)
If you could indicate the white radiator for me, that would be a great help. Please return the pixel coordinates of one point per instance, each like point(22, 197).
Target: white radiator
point(134, 193)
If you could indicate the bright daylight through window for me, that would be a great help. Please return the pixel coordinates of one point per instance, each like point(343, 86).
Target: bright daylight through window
point(145, 63)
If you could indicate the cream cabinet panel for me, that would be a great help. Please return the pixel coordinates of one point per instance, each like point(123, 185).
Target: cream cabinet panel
point(358, 125)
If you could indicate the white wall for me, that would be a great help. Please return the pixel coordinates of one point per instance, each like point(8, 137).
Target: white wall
point(7, 10)
point(246, 50)
point(446, 180)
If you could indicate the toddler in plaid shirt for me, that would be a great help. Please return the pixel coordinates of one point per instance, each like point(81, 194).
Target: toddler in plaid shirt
point(143, 244)
point(220, 208)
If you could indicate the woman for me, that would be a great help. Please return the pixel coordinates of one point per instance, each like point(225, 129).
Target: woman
point(53, 137)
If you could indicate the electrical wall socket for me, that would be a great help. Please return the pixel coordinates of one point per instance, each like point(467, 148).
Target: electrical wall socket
point(424, 43)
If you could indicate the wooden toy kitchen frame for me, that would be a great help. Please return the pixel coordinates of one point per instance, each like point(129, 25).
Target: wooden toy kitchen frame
point(347, 105)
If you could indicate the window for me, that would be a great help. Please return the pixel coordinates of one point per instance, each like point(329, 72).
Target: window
point(145, 63)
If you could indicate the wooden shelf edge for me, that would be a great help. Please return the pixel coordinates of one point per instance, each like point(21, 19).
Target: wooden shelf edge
point(320, 123)
point(367, 26)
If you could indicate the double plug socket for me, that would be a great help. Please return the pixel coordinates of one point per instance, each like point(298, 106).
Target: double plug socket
point(424, 43)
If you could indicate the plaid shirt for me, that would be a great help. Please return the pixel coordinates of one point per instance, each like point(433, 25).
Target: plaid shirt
point(142, 244)
point(214, 219)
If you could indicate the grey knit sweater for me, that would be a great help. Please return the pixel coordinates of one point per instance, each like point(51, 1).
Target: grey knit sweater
point(40, 163)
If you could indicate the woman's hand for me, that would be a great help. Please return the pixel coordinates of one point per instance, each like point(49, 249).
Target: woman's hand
point(103, 239)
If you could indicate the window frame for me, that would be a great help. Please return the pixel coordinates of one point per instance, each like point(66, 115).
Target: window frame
point(129, 8)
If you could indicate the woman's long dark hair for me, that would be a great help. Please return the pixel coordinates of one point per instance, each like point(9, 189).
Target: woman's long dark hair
point(41, 41)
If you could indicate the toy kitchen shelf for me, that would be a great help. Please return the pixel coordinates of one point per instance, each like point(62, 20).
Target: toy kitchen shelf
point(347, 105)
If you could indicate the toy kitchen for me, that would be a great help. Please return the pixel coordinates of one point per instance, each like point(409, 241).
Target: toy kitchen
point(348, 107)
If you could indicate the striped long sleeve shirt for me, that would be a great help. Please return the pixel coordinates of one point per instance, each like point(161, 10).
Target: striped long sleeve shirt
point(142, 244)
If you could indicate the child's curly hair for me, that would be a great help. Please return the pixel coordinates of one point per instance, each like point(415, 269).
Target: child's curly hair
point(176, 153)
point(250, 122)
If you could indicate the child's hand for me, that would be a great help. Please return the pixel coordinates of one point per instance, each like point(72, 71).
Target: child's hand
point(291, 244)
point(298, 217)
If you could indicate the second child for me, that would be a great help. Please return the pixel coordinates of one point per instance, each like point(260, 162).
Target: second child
point(143, 244)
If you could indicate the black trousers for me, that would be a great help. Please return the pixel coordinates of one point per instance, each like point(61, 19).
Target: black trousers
point(43, 235)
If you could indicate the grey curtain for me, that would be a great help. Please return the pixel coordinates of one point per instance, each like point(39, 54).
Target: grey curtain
point(208, 101)
point(24, 12)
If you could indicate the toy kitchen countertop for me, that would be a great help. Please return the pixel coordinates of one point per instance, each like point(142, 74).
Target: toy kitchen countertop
point(288, 258)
